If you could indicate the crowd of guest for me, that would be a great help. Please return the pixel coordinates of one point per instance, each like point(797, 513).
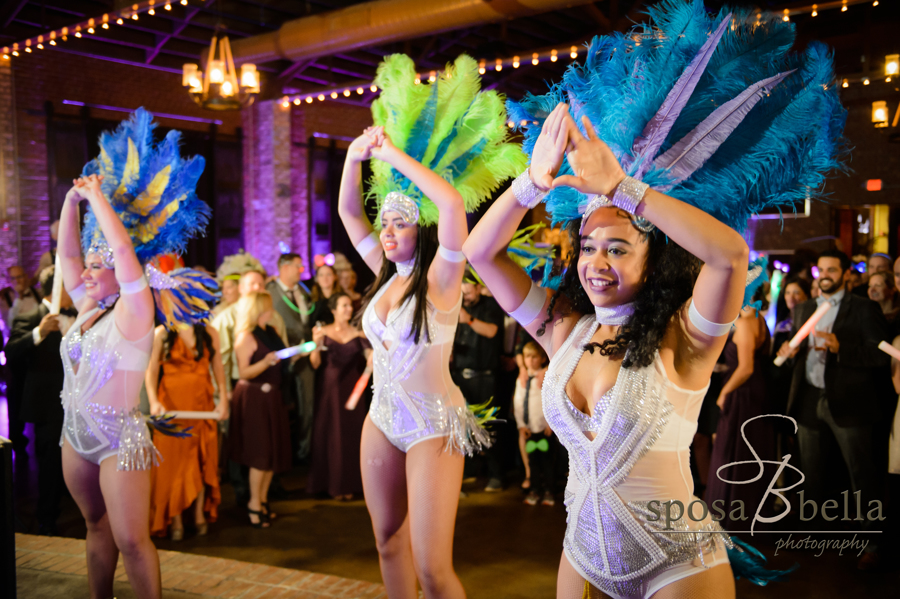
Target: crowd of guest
point(265, 413)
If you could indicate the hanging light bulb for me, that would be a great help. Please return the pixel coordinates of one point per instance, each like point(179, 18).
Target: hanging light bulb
point(535, 59)
point(573, 52)
point(333, 95)
point(866, 81)
point(880, 114)
point(498, 66)
point(216, 71)
point(515, 62)
point(359, 90)
point(432, 77)
point(346, 93)
point(892, 64)
point(285, 103)
point(373, 88)
point(227, 88)
point(481, 67)
point(815, 11)
point(222, 88)
point(321, 97)
point(119, 21)
point(553, 57)
point(168, 6)
point(184, 2)
point(845, 83)
point(786, 16)
point(309, 99)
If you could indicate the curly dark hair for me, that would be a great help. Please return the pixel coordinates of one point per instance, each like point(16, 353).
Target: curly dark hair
point(668, 283)
point(426, 248)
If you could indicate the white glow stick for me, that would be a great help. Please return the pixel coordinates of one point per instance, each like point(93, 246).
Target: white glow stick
point(889, 350)
point(805, 330)
point(56, 298)
point(290, 352)
point(189, 415)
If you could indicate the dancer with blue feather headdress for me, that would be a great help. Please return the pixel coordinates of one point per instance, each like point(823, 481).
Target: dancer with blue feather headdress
point(437, 152)
point(653, 155)
point(141, 205)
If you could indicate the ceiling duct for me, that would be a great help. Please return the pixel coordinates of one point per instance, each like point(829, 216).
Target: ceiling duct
point(380, 22)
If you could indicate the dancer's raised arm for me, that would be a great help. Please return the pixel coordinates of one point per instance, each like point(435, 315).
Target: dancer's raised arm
point(444, 276)
point(719, 291)
point(69, 250)
point(486, 247)
point(351, 206)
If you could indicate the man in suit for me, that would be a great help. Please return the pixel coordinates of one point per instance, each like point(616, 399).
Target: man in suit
point(836, 392)
point(34, 345)
point(294, 306)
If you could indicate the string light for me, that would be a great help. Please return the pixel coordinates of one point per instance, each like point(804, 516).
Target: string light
point(534, 58)
point(815, 12)
point(786, 17)
point(134, 17)
point(553, 56)
point(285, 103)
point(40, 46)
point(333, 95)
point(481, 67)
point(168, 6)
point(91, 30)
point(845, 83)
point(184, 2)
point(359, 90)
point(515, 62)
point(105, 25)
point(866, 81)
point(52, 42)
point(374, 88)
point(119, 21)
point(321, 97)
point(346, 93)
point(28, 49)
point(573, 52)
point(432, 77)
point(498, 66)
point(296, 101)
point(309, 99)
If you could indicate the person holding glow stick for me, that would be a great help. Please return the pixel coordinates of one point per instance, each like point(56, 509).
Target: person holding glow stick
point(337, 430)
point(835, 389)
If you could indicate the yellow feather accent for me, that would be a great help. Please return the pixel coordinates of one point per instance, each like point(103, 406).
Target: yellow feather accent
point(148, 230)
point(132, 170)
point(106, 167)
point(149, 198)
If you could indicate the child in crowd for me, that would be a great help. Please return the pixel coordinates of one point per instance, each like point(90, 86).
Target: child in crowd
point(535, 437)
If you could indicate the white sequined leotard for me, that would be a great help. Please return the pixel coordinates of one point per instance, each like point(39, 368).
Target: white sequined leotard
point(414, 397)
point(644, 426)
point(103, 377)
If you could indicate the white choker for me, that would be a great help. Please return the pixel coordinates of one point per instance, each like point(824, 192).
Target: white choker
point(108, 301)
point(616, 316)
point(404, 269)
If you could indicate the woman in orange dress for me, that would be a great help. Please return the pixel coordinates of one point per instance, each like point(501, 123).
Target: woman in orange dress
point(188, 472)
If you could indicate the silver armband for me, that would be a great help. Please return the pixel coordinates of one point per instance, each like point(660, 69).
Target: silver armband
point(527, 193)
point(629, 194)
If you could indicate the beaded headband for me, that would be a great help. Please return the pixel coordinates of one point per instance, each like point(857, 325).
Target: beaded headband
point(600, 201)
point(403, 205)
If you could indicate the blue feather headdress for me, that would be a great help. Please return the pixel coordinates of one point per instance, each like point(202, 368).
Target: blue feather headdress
point(713, 110)
point(152, 189)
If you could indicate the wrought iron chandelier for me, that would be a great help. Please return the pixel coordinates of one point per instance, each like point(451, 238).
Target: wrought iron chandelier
point(219, 88)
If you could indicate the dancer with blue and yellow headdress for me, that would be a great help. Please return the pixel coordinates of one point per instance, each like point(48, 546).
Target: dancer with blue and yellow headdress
point(141, 205)
point(653, 154)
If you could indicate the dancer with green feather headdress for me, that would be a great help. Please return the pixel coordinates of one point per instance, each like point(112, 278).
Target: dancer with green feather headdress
point(437, 152)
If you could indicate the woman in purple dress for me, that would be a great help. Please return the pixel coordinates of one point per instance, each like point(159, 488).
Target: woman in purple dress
point(337, 429)
point(743, 397)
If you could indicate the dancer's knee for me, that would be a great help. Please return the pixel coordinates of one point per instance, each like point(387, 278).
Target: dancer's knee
point(435, 575)
point(131, 543)
point(391, 542)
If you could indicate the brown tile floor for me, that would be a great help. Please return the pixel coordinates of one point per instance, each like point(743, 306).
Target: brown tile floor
point(502, 549)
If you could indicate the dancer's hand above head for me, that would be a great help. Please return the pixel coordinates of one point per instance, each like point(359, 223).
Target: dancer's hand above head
point(384, 148)
point(549, 149)
point(361, 148)
point(595, 167)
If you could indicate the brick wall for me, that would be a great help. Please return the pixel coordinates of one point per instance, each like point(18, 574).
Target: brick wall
point(9, 213)
point(54, 76)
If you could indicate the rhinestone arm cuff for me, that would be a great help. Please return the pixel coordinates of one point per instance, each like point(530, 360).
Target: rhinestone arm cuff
point(527, 193)
point(629, 194)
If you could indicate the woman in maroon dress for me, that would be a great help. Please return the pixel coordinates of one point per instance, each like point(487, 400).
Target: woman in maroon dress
point(337, 430)
point(258, 434)
point(743, 397)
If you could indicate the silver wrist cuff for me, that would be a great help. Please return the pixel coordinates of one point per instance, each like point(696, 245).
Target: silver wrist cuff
point(629, 194)
point(527, 193)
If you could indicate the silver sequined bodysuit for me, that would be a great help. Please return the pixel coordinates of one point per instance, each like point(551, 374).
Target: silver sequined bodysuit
point(414, 397)
point(103, 377)
point(643, 429)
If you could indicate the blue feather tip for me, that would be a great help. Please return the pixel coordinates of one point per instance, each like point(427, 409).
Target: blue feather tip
point(747, 562)
point(164, 424)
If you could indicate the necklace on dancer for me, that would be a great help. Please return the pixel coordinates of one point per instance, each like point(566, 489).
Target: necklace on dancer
point(404, 269)
point(615, 316)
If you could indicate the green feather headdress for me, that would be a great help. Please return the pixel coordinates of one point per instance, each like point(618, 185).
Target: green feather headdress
point(450, 126)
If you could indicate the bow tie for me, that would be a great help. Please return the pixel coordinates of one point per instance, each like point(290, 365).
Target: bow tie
point(542, 446)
